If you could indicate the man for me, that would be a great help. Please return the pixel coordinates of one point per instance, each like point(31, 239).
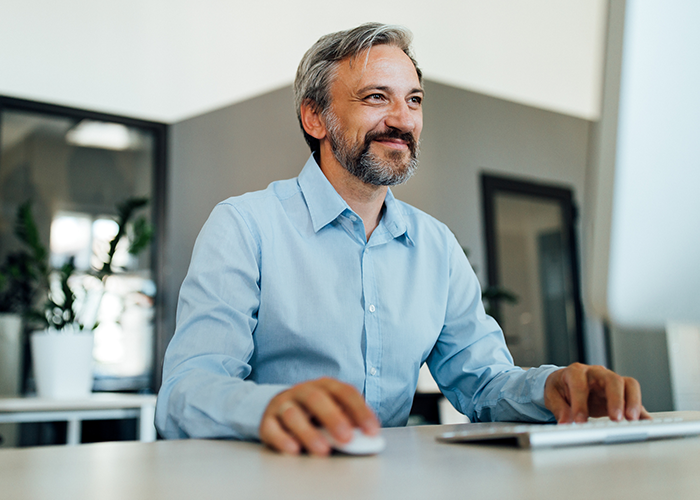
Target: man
point(314, 303)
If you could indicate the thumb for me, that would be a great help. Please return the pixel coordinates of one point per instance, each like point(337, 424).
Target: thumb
point(555, 400)
point(560, 408)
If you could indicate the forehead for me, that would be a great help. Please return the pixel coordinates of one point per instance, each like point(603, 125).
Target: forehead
point(380, 65)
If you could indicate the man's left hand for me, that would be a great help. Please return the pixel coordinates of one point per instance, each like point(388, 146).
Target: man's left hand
point(580, 391)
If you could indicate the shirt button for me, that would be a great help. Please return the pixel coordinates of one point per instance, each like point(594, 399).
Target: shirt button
point(353, 218)
point(372, 309)
point(372, 371)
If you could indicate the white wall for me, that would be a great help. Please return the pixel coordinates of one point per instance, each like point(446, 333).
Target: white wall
point(167, 60)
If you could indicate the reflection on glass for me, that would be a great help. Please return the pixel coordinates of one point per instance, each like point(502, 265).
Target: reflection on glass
point(123, 337)
point(103, 135)
point(70, 236)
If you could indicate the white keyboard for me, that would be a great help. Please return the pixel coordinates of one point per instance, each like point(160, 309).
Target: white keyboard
point(595, 431)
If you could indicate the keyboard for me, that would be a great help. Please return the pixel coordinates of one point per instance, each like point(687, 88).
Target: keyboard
point(595, 431)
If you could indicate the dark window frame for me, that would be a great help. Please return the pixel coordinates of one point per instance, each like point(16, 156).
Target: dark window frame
point(494, 184)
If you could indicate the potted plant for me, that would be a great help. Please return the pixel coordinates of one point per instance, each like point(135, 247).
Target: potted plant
point(62, 349)
point(10, 331)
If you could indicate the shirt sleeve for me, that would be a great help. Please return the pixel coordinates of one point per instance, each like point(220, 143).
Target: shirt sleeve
point(471, 363)
point(205, 393)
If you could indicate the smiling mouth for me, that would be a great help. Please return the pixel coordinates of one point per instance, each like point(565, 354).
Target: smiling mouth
point(392, 143)
point(395, 141)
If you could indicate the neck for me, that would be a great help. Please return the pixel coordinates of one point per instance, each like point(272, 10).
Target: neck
point(366, 200)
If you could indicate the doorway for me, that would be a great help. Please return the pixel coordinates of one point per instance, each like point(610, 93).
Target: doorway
point(532, 255)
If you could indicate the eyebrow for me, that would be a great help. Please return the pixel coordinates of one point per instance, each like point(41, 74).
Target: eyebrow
point(368, 88)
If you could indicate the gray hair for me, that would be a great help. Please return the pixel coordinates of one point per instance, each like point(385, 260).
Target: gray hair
point(317, 68)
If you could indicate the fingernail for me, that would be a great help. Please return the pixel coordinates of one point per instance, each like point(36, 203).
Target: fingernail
point(343, 431)
point(634, 414)
point(580, 418)
point(370, 427)
point(618, 415)
point(320, 447)
point(291, 448)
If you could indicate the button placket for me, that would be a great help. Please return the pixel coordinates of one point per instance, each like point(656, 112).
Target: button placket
point(373, 334)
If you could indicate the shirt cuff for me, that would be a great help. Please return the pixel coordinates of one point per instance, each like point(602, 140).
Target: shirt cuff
point(248, 411)
point(537, 382)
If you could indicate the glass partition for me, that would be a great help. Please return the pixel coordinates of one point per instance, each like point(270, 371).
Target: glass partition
point(77, 168)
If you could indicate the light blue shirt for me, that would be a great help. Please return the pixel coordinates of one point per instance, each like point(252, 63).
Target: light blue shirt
point(283, 287)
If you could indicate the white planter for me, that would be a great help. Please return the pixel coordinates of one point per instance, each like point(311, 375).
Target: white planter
point(63, 364)
point(10, 353)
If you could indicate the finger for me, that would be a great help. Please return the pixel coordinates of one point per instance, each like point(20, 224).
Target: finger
point(633, 399)
point(355, 407)
point(614, 387)
point(560, 408)
point(297, 422)
point(577, 384)
point(556, 398)
point(273, 435)
point(322, 406)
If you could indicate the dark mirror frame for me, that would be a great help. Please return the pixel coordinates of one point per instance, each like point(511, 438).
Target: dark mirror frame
point(491, 185)
point(160, 138)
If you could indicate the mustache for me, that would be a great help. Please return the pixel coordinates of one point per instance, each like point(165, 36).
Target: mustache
point(392, 133)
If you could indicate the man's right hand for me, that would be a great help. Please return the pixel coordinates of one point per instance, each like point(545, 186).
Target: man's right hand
point(291, 421)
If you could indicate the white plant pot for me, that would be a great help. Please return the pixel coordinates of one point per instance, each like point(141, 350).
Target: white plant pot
point(10, 353)
point(63, 364)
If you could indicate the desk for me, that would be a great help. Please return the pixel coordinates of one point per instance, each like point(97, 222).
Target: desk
point(99, 406)
point(413, 466)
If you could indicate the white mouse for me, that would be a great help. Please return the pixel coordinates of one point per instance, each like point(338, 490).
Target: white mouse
point(360, 444)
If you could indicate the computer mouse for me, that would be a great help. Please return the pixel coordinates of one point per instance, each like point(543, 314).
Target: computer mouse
point(360, 444)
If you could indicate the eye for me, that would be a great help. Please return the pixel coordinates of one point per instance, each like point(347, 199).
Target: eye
point(415, 100)
point(375, 97)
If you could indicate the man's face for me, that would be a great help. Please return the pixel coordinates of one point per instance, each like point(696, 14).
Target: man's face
point(376, 116)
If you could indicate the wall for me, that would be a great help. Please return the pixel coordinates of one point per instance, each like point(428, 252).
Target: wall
point(466, 133)
point(224, 153)
point(246, 146)
point(643, 354)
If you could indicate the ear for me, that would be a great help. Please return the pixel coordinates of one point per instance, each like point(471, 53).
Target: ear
point(312, 121)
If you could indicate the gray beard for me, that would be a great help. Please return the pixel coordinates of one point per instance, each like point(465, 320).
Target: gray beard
point(363, 164)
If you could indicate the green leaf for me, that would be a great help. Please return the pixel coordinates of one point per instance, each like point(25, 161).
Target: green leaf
point(500, 293)
point(125, 211)
point(142, 233)
point(28, 233)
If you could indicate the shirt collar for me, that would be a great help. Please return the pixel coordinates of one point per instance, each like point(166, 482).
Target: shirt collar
point(393, 219)
point(325, 204)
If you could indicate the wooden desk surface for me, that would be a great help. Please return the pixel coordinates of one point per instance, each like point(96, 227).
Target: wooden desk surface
point(413, 466)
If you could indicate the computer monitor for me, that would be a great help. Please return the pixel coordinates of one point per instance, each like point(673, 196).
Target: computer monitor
point(654, 267)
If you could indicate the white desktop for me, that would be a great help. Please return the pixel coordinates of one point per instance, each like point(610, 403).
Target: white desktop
point(654, 266)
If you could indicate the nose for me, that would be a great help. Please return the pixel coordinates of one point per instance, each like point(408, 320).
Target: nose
point(403, 118)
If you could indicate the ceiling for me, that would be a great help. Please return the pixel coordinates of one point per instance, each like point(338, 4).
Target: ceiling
point(167, 60)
